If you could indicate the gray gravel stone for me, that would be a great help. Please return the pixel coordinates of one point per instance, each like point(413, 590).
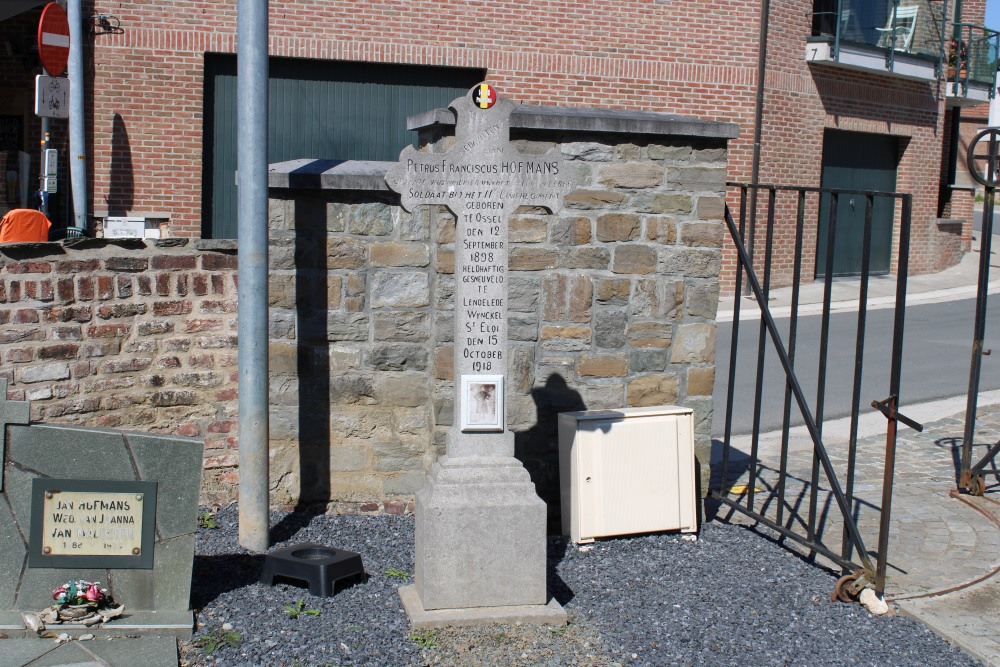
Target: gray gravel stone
point(733, 597)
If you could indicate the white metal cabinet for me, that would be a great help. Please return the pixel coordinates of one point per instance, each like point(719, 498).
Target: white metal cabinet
point(627, 471)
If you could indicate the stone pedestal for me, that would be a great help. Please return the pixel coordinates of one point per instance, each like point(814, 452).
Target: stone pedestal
point(480, 535)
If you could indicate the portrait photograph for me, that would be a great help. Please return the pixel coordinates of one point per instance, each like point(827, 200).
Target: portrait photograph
point(482, 403)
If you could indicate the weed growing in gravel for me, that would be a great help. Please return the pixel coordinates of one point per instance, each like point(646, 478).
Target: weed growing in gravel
point(428, 639)
point(397, 574)
point(296, 610)
point(207, 520)
point(216, 638)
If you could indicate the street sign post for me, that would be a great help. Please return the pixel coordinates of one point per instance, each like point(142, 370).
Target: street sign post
point(53, 39)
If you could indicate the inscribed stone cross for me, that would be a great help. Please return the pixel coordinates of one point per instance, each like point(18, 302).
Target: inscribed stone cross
point(482, 179)
point(11, 412)
point(480, 525)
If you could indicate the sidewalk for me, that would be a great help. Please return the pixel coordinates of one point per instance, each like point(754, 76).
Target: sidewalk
point(957, 282)
point(944, 551)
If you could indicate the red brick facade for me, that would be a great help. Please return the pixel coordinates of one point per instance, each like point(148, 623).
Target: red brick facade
point(695, 58)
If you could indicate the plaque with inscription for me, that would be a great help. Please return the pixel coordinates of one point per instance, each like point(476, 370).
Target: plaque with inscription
point(482, 179)
point(92, 524)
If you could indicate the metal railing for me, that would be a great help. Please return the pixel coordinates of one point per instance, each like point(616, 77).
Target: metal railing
point(972, 57)
point(798, 518)
point(909, 26)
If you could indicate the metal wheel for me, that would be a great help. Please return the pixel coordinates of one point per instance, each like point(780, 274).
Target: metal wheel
point(984, 165)
point(977, 486)
point(842, 590)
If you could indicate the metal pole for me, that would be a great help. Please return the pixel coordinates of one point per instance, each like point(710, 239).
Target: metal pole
point(251, 90)
point(758, 121)
point(77, 138)
point(43, 204)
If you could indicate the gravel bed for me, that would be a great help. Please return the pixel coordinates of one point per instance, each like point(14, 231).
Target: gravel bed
point(733, 597)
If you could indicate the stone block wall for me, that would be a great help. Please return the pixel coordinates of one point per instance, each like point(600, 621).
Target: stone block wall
point(612, 303)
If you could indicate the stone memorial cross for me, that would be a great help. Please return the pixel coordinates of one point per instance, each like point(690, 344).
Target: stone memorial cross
point(482, 179)
point(480, 525)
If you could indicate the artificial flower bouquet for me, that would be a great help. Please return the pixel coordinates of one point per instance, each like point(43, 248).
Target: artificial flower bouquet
point(80, 592)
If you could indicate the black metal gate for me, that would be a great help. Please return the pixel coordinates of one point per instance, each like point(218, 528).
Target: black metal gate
point(848, 549)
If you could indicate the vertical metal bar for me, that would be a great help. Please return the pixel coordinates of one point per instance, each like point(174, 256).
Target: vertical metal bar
point(733, 346)
point(859, 353)
point(824, 343)
point(77, 134)
point(761, 349)
point(836, 30)
point(891, 56)
point(979, 327)
point(793, 325)
point(251, 86)
point(758, 117)
point(894, 380)
point(43, 204)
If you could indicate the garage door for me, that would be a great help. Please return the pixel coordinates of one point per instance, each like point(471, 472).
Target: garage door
point(858, 162)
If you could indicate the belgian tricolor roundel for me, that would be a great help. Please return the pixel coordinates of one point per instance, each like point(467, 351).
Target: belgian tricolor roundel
point(484, 95)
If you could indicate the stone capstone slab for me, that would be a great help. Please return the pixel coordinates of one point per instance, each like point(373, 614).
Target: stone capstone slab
point(593, 120)
point(328, 174)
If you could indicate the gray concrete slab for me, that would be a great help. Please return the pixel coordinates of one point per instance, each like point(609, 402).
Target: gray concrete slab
point(551, 613)
point(124, 652)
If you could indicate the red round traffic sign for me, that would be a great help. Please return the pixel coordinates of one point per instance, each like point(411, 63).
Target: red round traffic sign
point(53, 39)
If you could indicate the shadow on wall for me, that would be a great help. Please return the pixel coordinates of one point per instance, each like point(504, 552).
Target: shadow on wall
point(313, 362)
point(121, 182)
point(538, 447)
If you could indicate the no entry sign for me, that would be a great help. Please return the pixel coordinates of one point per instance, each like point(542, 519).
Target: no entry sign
point(53, 39)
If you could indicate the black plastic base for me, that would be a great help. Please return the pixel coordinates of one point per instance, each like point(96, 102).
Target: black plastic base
point(319, 566)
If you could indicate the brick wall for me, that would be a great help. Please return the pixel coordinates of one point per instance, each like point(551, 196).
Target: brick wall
point(148, 82)
point(121, 335)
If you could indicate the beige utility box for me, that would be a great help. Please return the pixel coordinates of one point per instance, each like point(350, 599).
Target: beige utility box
point(627, 471)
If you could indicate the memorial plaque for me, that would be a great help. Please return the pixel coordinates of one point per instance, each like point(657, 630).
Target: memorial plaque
point(92, 524)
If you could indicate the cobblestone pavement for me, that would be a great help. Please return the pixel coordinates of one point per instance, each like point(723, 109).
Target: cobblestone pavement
point(944, 552)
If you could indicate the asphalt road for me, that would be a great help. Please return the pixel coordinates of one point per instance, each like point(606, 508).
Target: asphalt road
point(937, 346)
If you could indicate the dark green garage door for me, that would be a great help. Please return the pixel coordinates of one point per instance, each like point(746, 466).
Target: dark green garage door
point(317, 109)
point(856, 161)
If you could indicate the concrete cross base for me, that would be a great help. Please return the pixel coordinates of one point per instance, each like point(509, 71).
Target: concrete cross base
point(175, 624)
point(480, 536)
point(536, 614)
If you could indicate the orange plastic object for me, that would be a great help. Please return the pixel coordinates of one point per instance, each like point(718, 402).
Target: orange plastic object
point(24, 225)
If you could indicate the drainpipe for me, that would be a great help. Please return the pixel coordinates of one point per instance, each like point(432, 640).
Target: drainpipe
point(77, 140)
point(251, 91)
point(758, 120)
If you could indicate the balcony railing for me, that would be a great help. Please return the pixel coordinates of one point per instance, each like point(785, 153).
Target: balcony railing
point(971, 60)
point(908, 34)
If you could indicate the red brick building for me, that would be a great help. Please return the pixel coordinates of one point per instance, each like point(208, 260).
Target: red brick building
point(840, 73)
